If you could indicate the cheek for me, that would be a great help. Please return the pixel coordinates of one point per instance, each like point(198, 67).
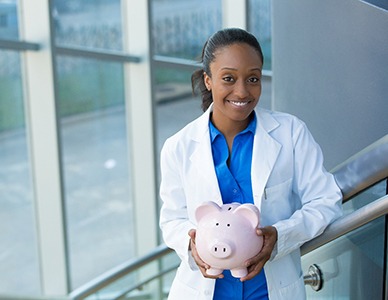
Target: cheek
point(221, 91)
point(256, 92)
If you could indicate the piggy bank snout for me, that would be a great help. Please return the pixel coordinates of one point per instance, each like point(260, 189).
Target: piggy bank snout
point(221, 249)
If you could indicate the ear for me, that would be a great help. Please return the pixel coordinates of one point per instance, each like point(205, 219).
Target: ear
point(205, 209)
point(249, 212)
point(208, 81)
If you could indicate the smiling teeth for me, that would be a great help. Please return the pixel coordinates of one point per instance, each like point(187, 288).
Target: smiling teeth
point(239, 103)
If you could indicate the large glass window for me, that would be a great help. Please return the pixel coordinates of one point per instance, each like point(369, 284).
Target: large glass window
point(179, 30)
point(259, 23)
point(19, 262)
point(8, 20)
point(88, 23)
point(94, 144)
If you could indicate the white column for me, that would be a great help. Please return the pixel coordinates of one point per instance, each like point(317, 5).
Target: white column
point(234, 13)
point(139, 107)
point(43, 142)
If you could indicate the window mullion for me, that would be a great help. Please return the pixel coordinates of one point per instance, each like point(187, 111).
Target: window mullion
point(44, 150)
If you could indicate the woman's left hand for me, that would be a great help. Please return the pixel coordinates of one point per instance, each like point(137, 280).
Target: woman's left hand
point(256, 263)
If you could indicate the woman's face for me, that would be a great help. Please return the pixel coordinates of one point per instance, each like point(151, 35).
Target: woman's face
point(235, 83)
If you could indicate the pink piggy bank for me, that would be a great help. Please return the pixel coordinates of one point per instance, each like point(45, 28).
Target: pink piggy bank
point(226, 236)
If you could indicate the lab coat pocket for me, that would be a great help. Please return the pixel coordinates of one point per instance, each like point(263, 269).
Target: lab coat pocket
point(276, 203)
point(279, 190)
point(179, 290)
point(295, 290)
point(187, 284)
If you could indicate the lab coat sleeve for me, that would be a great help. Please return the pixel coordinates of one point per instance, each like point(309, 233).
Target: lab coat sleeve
point(174, 220)
point(315, 188)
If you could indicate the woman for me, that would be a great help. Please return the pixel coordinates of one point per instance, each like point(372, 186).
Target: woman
point(234, 153)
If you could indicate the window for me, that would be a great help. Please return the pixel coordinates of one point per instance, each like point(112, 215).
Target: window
point(94, 145)
point(19, 262)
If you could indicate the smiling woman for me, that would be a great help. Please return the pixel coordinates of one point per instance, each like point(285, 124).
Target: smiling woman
point(236, 152)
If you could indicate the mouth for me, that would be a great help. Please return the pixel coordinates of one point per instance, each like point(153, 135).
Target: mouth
point(239, 103)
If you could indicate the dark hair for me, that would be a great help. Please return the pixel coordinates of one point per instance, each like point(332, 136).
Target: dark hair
point(220, 39)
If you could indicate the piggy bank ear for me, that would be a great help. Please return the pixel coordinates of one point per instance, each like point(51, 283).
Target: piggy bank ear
point(206, 208)
point(249, 212)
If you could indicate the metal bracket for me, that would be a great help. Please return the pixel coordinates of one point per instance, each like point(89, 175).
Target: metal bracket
point(314, 278)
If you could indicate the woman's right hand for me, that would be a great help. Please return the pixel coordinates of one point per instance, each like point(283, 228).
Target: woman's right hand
point(200, 263)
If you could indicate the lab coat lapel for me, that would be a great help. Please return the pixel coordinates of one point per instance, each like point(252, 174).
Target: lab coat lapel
point(265, 153)
point(202, 159)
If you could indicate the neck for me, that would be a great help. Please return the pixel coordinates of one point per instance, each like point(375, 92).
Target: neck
point(230, 128)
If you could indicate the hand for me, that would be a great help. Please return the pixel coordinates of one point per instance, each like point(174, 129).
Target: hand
point(200, 263)
point(256, 263)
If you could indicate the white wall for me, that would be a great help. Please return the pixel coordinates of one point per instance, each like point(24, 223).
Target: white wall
point(330, 68)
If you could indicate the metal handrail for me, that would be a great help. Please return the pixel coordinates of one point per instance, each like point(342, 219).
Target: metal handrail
point(116, 273)
point(363, 169)
point(348, 223)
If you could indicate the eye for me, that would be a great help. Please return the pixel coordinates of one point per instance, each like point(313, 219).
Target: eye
point(254, 79)
point(228, 78)
point(228, 225)
point(217, 224)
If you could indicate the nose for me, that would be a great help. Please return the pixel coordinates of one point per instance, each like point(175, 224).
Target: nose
point(241, 90)
point(221, 249)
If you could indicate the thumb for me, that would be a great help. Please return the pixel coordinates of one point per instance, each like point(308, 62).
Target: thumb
point(192, 233)
point(260, 231)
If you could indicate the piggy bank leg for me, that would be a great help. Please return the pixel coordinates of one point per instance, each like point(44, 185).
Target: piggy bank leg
point(238, 273)
point(213, 271)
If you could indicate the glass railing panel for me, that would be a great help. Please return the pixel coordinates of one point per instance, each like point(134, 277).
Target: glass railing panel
point(367, 196)
point(151, 281)
point(168, 262)
point(352, 265)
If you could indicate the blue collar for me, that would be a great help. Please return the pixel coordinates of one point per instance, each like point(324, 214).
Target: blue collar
point(214, 132)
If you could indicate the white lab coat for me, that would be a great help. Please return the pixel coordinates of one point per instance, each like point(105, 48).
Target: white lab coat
point(290, 187)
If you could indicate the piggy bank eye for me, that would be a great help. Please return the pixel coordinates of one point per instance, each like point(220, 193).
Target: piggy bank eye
point(217, 224)
point(228, 225)
point(229, 208)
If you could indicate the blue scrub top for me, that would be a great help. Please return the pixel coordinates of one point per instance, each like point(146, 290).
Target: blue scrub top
point(234, 179)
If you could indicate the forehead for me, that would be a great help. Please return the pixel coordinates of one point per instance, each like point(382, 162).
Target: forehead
point(237, 55)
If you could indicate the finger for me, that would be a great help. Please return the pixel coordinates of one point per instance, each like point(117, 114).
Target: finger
point(252, 272)
point(192, 233)
point(259, 231)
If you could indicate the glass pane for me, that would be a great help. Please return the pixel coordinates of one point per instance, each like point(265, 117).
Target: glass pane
point(352, 266)
point(175, 104)
point(180, 28)
point(151, 281)
point(88, 23)
point(369, 195)
point(19, 262)
point(8, 20)
point(259, 23)
point(95, 155)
